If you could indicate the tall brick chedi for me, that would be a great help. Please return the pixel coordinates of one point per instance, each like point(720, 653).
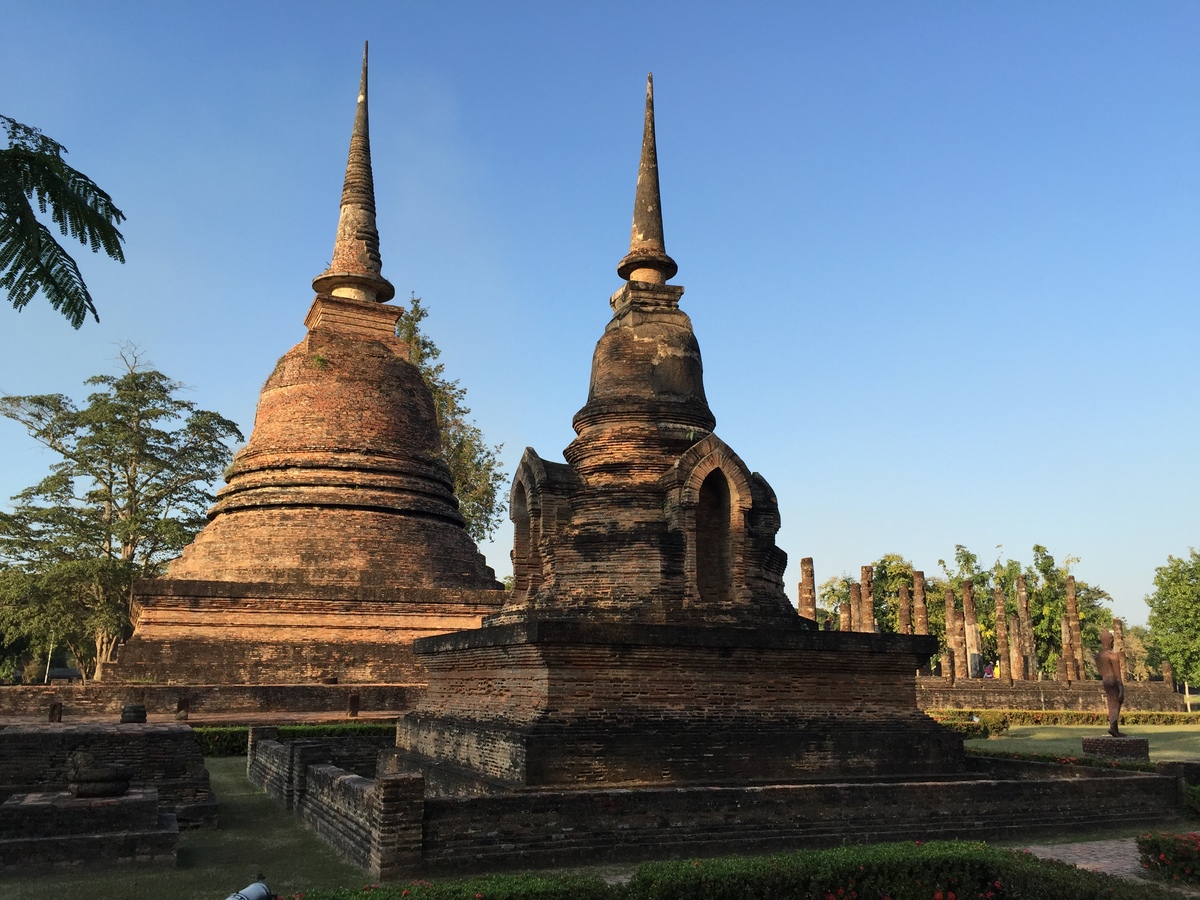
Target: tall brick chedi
point(341, 493)
point(648, 639)
point(653, 517)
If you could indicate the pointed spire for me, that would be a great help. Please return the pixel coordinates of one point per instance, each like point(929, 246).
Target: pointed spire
point(647, 259)
point(355, 269)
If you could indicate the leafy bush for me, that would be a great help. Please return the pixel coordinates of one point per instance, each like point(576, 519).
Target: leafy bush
point(942, 871)
point(949, 870)
point(1175, 857)
point(494, 887)
point(964, 724)
point(230, 740)
point(973, 723)
point(1191, 797)
point(221, 740)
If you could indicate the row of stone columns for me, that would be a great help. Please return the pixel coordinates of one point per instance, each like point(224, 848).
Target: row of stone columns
point(1014, 634)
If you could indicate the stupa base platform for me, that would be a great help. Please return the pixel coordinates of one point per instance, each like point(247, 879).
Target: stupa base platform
point(409, 830)
point(1109, 747)
point(570, 704)
point(232, 633)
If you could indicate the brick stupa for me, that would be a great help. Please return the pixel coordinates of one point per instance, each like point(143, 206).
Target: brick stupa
point(649, 641)
point(337, 539)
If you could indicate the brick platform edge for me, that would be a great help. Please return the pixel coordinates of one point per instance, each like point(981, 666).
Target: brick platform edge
point(977, 693)
point(103, 699)
point(1117, 747)
point(388, 827)
point(45, 830)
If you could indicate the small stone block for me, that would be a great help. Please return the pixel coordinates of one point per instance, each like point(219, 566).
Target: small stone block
point(1108, 747)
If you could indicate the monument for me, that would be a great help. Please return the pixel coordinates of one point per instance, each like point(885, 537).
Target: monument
point(337, 539)
point(649, 640)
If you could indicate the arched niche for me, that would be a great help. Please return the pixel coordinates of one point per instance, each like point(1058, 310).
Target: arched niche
point(714, 540)
point(526, 556)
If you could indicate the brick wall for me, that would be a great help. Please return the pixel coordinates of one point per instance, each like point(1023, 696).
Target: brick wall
point(34, 758)
point(563, 704)
point(202, 632)
point(938, 693)
point(373, 823)
point(103, 699)
point(390, 828)
point(47, 830)
point(562, 828)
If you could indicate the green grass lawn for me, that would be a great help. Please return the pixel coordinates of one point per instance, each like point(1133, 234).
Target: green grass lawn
point(255, 836)
point(1168, 743)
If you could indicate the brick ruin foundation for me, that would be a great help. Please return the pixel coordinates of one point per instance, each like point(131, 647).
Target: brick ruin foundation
point(44, 826)
point(392, 825)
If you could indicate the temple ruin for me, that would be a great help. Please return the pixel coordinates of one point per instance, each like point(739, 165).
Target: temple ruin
point(649, 640)
point(337, 539)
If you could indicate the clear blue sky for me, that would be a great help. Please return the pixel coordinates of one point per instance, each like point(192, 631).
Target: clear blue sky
point(942, 258)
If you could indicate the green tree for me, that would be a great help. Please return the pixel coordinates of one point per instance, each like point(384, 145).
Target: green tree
point(1175, 614)
point(1142, 653)
point(32, 171)
point(479, 480)
point(129, 490)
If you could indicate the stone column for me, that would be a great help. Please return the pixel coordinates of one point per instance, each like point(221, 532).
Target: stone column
point(1017, 666)
point(1065, 667)
point(971, 627)
point(1028, 647)
point(808, 590)
point(868, 599)
point(845, 622)
point(904, 613)
point(856, 607)
point(948, 666)
point(949, 618)
point(1003, 661)
point(1076, 658)
point(920, 613)
point(1118, 630)
point(961, 657)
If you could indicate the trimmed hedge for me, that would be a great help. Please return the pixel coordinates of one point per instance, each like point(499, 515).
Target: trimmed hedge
point(492, 887)
point(944, 870)
point(972, 723)
point(1066, 717)
point(1191, 797)
point(230, 740)
point(1174, 857)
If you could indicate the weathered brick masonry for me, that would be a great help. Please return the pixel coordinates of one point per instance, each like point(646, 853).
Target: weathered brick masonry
point(558, 703)
point(34, 758)
point(229, 700)
point(939, 693)
point(337, 538)
point(391, 828)
point(372, 822)
point(45, 830)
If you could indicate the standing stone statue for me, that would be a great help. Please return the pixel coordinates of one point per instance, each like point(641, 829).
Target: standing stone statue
point(1109, 664)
